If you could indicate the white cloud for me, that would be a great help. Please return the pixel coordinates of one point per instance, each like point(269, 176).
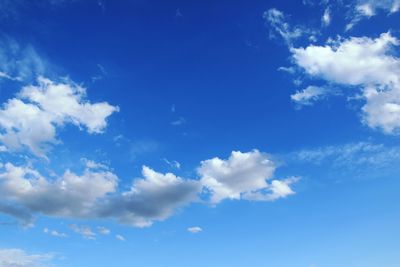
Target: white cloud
point(93, 194)
point(154, 197)
point(179, 121)
point(365, 154)
point(19, 63)
point(32, 117)
point(120, 237)
point(173, 164)
point(85, 231)
point(54, 233)
point(280, 25)
point(194, 230)
point(369, 8)
point(367, 63)
point(326, 17)
point(70, 195)
point(309, 95)
point(353, 61)
point(20, 258)
point(242, 176)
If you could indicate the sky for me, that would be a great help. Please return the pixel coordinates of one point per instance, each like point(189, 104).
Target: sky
point(201, 133)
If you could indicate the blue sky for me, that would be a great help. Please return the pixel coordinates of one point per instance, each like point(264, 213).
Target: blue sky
point(201, 133)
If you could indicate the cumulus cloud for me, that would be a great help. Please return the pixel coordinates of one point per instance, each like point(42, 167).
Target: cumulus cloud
point(242, 176)
point(31, 118)
point(94, 194)
point(154, 197)
point(20, 258)
point(70, 195)
point(362, 62)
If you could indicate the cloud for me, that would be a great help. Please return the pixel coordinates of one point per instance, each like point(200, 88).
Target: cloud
point(352, 155)
point(279, 25)
point(326, 17)
point(103, 230)
point(194, 230)
point(19, 63)
point(120, 237)
point(309, 95)
point(362, 62)
point(173, 164)
point(179, 121)
point(85, 231)
point(368, 8)
point(31, 118)
point(22, 215)
point(242, 176)
point(154, 197)
point(70, 195)
point(54, 233)
point(20, 258)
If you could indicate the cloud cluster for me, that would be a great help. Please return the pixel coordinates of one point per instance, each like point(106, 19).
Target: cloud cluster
point(19, 258)
point(364, 9)
point(154, 197)
point(280, 26)
point(30, 120)
point(243, 176)
point(366, 63)
point(70, 195)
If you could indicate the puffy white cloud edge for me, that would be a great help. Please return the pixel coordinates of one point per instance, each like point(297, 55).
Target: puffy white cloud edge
point(368, 64)
point(31, 119)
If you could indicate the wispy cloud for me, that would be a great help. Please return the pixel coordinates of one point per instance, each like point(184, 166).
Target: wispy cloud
point(20, 258)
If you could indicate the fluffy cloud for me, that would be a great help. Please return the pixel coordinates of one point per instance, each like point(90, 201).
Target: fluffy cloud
point(242, 176)
point(19, 258)
point(32, 117)
point(154, 197)
point(70, 195)
point(94, 195)
point(354, 61)
point(369, 64)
